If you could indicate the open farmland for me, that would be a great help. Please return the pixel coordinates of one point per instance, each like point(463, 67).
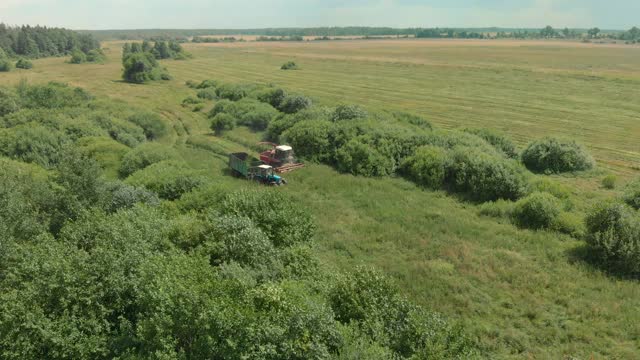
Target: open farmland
point(521, 293)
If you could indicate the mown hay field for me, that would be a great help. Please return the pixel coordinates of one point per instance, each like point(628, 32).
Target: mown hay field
point(521, 293)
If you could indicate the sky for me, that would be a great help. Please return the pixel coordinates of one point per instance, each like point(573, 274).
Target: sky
point(239, 14)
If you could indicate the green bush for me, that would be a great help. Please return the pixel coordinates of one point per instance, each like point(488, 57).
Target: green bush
point(190, 100)
point(294, 103)
point(537, 211)
point(552, 187)
point(231, 92)
point(358, 157)
point(32, 143)
point(78, 57)
point(5, 65)
point(273, 97)
point(311, 140)
point(8, 102)
point(348, 112)
point(145, 155)
point(207, 94)
point(169, 179)
point(123, 196)
point(289, 65)
point(222, 122)
point(206, 84)
point(550, 155)
point(609, 182)
point(429, 166)
point(95, 55)
point(141, 67)
point(631, 194)
point(285, 223)
point(497, 140)
point(152, 124)
point(239, 240)
point(484, 177)
point(498, 209)
point(52, 96)
point(613, 233)
point(24, 64)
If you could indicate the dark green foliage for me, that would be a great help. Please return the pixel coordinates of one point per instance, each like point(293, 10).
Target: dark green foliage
point(24, 64)
point(95, 55)
point(273, 96)
point(169, 179)
point(8, 102)
point(550, 155)
point(141, 67)
point(613, 233)
point(294, 103)
point(78, 57)
point(537, 211)
point(248, 112)
point(52, 96)
point(311, 140)
point(152, 125)
point(284, 223)
point(37, 41)
point(631, 194)
point(207, 94)
point(497, 140)
point(239, 239)
point(222, 122)
point(359, 157)
point(609, 182)
point(145, 155)
point(5, 65)
point(348, 112)
point(372, 302)
point(123, 196)
point(32, 143)
point(289, 65)
point(484, 177)
point(231, 92)
point(207, 84)
point(429, 166)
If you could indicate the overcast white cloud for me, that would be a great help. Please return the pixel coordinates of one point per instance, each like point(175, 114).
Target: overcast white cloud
point(102, 14)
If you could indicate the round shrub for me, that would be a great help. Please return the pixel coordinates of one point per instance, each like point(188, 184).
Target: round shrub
point(310, 139)
point(143, 156)
point(613, 233)
point(231, 92)
point(5, 65)
point(238, 239)
point(78, 57)
point(537, 211)
point(294, 103)
point(631, 194)
point(95, 55)
point(361, 158)
point(609, 182)
point(273, 97)
point(289, 65)
point(222, 122)
point(551, 155)
point(428, 166)
point(348, 112)
point(484, 177)
point(207, 94)
point(24, 64)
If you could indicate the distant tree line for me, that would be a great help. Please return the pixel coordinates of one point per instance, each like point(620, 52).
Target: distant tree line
point(38, 41)
point(327, 33)
point(207, 39)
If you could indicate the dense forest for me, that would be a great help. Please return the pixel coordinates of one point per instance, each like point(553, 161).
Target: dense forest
point(39, 41)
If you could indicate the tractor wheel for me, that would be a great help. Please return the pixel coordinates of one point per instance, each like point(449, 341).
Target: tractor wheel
point(284, 182)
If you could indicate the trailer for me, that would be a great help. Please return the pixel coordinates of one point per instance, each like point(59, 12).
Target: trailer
point(248, 167)
point(281, 157)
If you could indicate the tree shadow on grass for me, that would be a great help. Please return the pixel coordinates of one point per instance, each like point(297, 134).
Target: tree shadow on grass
point(586, 256)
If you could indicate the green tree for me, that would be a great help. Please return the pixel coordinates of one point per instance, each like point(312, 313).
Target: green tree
point(593, 33)
point(140, 68)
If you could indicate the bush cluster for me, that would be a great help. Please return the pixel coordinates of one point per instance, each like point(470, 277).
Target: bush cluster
point(145, 155)
point(550, 155)
point(613, 233)
point(24, 64)
point(631, 194)
point(289, 65)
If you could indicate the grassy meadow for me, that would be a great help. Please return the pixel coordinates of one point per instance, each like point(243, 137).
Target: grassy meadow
point(523, 294)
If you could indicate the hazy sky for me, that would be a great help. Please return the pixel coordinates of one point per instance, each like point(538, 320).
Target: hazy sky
point(127, 14)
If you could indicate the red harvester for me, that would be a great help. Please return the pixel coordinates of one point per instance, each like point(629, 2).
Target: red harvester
point(281, 157)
